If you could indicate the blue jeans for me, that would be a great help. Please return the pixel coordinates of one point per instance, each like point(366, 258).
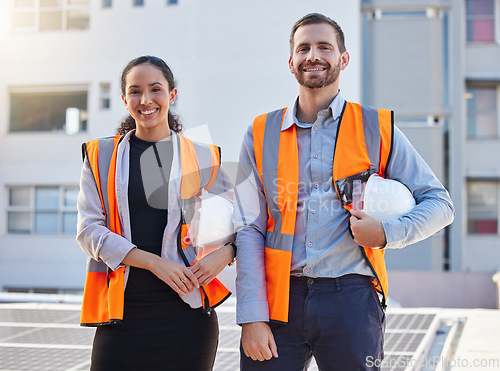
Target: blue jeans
point(339, 321)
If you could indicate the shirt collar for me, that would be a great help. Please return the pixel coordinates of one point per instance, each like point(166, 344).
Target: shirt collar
point(335, 109)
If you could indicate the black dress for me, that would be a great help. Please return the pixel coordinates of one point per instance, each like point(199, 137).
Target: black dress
point(159, 331)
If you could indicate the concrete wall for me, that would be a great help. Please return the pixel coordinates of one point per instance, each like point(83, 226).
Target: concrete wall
point(429, 253)
point(481, 61)
point(406, 65)
point(443, 289)
point(482, 158)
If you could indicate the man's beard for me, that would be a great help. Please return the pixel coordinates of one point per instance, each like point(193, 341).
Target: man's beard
point(317, 82)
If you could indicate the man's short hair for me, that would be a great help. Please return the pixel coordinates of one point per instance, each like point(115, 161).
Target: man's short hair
point(316, 18)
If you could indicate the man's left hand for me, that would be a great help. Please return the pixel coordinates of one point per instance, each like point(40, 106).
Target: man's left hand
point(366, 230)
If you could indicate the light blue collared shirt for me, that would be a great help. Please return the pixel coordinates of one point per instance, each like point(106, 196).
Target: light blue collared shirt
point(322, 244)
point(322, 223)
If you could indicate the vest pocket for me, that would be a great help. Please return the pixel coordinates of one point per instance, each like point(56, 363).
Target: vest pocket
point(345, 186)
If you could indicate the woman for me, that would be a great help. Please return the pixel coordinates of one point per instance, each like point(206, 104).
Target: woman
point(149, 296)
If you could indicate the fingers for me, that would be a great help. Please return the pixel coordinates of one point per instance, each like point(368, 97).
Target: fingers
point(205, 280)
point(263, 354)
point(259, 354)
point(272, 347)
point(184, 282)
point(353, 220)
point(192, 278)
point(182, 286)
point(358, 214)
point(258, 342)
point(202, 274)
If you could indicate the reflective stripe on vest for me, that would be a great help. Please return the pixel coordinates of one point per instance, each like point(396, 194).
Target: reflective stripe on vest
point(276, 157)
point(103, 297)
point(364, 143)
point(198, 162)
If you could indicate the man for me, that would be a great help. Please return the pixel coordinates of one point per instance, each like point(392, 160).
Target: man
point(305, 286)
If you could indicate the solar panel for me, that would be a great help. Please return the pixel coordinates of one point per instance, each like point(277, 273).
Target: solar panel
point(49, 337)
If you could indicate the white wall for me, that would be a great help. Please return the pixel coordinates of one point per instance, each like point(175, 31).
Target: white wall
point(443, 289)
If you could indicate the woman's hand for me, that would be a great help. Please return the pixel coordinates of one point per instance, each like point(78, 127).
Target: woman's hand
point(212, 264)
point(176, 275)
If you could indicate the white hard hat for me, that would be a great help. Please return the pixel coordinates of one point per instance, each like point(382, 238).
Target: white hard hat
point(212, 224)
point(386, 199)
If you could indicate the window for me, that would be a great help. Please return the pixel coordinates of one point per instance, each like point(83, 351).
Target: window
point(42, 210)
point(50, 15)
point(107, 3)
point(105, 95)
point(48, 109)
point(172, 2)
point(138, 2)
point(481, 20)
point(482, 207)
point(482, 112)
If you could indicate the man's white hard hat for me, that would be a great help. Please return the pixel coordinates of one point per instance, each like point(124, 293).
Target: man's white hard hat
point(386, 199)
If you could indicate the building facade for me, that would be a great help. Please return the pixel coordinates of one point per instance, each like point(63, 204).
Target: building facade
point(437, 64)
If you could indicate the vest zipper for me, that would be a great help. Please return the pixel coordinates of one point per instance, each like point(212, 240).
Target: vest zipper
point(383, 304)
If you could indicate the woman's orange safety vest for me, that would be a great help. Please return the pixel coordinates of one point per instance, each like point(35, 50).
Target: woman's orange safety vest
point(103, 296)
point(363, 146)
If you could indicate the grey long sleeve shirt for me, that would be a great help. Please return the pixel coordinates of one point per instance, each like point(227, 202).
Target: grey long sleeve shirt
point(322, 244)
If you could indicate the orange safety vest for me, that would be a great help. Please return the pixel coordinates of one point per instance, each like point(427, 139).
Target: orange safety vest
point(363, 146)
point(103, 296)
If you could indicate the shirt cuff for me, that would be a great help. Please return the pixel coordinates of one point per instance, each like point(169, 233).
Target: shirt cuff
point(114, 257)
point(394, 234)
point(256, 311)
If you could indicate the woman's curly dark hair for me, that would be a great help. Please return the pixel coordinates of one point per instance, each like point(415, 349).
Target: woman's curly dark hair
point(129, 122)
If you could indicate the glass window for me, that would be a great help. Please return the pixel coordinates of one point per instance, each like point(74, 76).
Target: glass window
point(48, 111)
point(50, 3)
point(482, 113)
point(69, 222)
point(107, 3)
point(77, 19)
point(482, 207)
point(18, 222)
point(42, 210)
point(138, 2)
point(46, 222)
point(24, 3)
point(70, 196)
point(19, 196)
point(172, 2)
point(105, 95)
point(50, 21)
point(481, 20)
point(404, 14)
point(47, 198)
point(50, 15)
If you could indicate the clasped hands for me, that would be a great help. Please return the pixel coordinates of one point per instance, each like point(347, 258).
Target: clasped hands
point(184, 280)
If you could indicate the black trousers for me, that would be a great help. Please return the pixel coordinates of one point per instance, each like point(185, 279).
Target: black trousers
point(159, 332)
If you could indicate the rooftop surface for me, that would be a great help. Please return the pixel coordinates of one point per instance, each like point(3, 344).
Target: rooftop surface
point(47, 336)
